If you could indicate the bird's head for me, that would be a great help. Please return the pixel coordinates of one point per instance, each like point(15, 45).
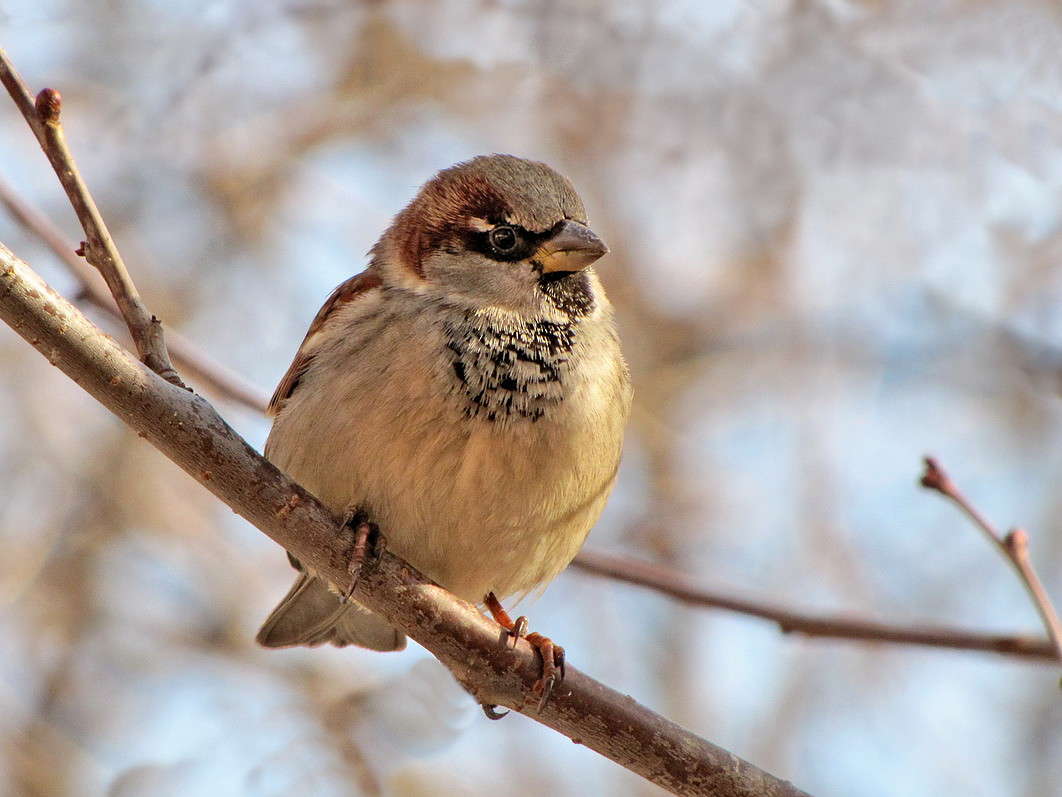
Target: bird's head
point(495, 232)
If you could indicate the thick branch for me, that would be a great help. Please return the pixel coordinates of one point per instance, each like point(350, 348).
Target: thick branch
point(680, 587)
point(186, 429)
point(1014, 547)
point(99, 249)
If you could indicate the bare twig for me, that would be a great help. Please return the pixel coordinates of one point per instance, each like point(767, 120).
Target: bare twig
point(191, 433)
point(1014, 547)
point(676, 585)
point(99, 249)
point(192, 361)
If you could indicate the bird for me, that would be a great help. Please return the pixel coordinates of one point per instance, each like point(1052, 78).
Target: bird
point(466, 394)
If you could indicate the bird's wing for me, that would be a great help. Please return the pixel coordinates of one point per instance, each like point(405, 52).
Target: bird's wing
point(346, 292)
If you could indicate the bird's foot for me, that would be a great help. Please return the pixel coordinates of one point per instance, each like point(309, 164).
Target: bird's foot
point(552, 655)
point(367, 546)
point(552, 667)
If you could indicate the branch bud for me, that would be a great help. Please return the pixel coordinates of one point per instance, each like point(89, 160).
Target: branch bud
point(49, 103)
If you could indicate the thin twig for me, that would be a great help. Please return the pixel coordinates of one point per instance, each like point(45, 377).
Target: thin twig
point(99, 249)
point(192, 361)
point(676, 585)
point(1014, 547)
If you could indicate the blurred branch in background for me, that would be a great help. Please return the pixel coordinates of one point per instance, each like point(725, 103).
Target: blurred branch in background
point(666, 580)
point(217, 379)
point(682, 588)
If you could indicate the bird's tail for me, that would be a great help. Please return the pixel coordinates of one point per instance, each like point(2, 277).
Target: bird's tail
point(310, 614)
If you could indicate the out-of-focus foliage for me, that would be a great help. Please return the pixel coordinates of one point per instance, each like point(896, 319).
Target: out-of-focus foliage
point(835, 229)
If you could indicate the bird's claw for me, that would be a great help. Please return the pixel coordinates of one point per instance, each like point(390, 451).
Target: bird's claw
point(492, 712)
point(552, 655)
point(368, 546)
point(545, 686)
point(552, 667)
point(519, 629)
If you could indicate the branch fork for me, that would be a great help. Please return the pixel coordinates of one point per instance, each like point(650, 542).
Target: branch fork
point(43, 116)
point(1014, 546)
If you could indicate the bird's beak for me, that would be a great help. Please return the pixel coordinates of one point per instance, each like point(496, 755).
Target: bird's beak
point(572, 248)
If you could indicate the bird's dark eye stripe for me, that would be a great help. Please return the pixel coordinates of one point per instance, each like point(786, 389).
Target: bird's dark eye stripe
point(506, 242)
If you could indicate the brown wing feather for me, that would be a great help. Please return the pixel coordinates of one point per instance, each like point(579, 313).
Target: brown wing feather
point(345, 292)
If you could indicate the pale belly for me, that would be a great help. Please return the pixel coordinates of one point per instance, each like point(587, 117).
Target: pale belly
point(477, 506)
point(495, 518)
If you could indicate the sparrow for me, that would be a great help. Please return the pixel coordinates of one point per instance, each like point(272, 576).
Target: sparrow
point(466, 393)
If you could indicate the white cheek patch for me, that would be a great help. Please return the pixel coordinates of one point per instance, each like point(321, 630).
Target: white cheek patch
point(479, 225)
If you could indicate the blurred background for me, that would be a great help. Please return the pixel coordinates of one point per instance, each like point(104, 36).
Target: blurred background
point(835, 228)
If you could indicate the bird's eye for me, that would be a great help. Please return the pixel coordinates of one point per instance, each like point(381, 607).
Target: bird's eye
point(503, 239)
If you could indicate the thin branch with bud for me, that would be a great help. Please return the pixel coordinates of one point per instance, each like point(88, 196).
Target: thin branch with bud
point(1014, 546)
point(99, 249)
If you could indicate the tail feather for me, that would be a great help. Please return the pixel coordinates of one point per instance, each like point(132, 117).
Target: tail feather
point(310, 614)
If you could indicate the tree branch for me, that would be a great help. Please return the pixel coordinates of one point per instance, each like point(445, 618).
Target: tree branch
point(188, 430)
point(190, 359)
point(1014, 547)
point(100, 250)
point(678, 586)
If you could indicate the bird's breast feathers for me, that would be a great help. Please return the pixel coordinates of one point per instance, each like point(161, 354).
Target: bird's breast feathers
point(485, 467)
